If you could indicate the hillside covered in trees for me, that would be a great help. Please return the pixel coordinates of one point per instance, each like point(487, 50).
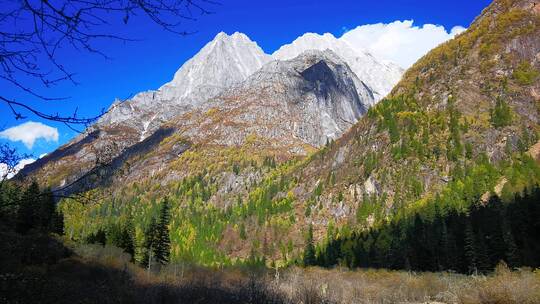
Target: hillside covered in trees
point(461, 124)
point(439, 238)
point(429, 194)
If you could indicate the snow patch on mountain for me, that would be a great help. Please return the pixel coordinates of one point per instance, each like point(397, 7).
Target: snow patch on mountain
point(226, 62)
point(223, 62)
point(379, 75)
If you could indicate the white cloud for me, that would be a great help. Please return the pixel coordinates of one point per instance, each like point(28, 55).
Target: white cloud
point(29, 132)
point(400, 41)
point(4, 168)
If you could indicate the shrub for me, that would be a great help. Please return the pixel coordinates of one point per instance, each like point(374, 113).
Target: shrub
point(501, 115)
point(525, 74)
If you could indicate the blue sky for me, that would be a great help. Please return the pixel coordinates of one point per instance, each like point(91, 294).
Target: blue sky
point(153, 59)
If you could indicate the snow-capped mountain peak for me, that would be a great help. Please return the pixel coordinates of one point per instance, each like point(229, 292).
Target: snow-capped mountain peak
point(231, 90)
point(377, 74)
point(221, 63)
point(224, 61)
point(227, 61)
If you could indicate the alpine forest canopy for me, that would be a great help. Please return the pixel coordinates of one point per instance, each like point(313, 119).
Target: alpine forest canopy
point(471, 241)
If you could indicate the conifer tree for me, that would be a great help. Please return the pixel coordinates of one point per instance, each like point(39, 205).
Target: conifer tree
point(511, 253)
point(157, 242)
point(126, 239)
point(47, 209)
point(501, 115)
point(57, 224)
point(27, 212)
point(309, 252)
point(149, 244)
point(482, 258)
point(452, 254)
point(162, 246)
point(470, 247)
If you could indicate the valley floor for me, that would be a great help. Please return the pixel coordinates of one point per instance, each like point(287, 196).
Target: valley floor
point(49, 271)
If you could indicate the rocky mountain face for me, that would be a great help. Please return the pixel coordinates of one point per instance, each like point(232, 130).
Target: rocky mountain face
point(228, 93)
point(379, 76)
point(222, 63)
point(463, 121)
point(311, 99)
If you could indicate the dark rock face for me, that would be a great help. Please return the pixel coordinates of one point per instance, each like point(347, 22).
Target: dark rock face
point(103, 174)
point(321, 76)
point(450, 81)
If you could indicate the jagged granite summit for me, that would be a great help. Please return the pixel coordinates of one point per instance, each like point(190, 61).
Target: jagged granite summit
point(378, 75)
point(229, 92)
point(310, 99)
point(223, 62)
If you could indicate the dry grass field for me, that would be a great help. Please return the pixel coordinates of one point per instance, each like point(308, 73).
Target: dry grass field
point(316, 285)
point(97, 274)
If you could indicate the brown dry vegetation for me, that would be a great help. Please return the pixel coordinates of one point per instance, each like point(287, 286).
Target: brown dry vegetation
point(316, 285)
point(383, 286)
point(96, 274)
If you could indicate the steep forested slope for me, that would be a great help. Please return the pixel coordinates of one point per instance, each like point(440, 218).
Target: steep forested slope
point(462, 116)
point(462, 122)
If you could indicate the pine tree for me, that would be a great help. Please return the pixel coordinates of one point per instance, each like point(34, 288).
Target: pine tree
point(452, 253)
point(27, 212)
point(442, 247)
point(309, 252)
point(126, 239)
point(420, 255)
point(149, 244)
point(57, 224)
point(47, 210)
point(511, 253)
point(162, 248)
point(501, 115)
point(470, 247)
point(482, 257)
point(492, 221)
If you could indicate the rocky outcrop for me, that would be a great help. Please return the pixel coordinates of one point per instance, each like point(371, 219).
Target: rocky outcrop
point(228, 94)
point(376, 74)
point(308, 100)
point(225, 61)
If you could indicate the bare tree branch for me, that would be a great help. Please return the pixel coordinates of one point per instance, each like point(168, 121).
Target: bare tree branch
point(32, 32)
point(9, 159)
